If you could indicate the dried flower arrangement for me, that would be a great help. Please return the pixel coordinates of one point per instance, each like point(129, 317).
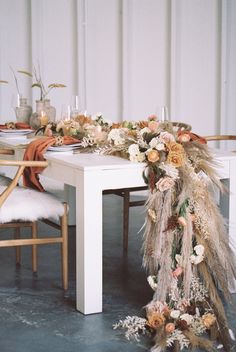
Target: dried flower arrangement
point(44, 91)
point(186, 252)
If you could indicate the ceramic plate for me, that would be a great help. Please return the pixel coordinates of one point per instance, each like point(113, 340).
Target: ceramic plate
point(64, 148)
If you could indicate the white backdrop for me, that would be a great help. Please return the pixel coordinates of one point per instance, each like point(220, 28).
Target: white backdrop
point(126, 58)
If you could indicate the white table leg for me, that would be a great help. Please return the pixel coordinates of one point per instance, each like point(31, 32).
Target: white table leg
point(89, 242)
point(70, 197)
point(232, 208)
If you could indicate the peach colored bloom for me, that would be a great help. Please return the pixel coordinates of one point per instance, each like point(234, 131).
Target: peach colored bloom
point(153, 156)
point(182, 221)
point(169, 328)
point(142, 124)
point(175, 159)
point(156, 320)
point(177, 272)
point(153, 125)
point(152, 117)
point(175, 147)
point(166, 137)
point(82, 119)
point(208, 320)
point(165, 183)
point(184, 137)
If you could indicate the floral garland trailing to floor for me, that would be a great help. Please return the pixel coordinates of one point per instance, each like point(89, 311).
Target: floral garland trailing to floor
point(185, 246)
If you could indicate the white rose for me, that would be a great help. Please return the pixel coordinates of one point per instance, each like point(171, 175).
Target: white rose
point(153, 143)
point(187, 317)
point(166, 137)
point(152, 282)
point(145, 130)
point(196, 259)
point(141, 157)
point(160, 146)
point(199, 249)
point(133, 149)
point(179, 259)
point(175, 314)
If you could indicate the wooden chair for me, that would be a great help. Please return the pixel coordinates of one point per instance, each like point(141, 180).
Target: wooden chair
point(23, 207)
point(222, 137)
point(125, 193)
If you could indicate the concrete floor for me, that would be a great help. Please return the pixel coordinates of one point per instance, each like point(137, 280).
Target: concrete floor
point(36, 316)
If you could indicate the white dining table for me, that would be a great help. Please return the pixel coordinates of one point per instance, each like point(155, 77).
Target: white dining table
point(90, 174)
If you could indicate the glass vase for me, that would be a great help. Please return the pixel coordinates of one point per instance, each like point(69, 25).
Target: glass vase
point(50, 110)
point(23, 111)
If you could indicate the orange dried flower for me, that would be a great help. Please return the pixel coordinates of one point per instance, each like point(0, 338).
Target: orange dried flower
point(153, 156)
point(82, 119)
point(208, 320)
point(156, 320)
point(175, 159)
point(169, 328)
point(175, 147)
point(142, 124)
point(132, 133)
point(116, 125)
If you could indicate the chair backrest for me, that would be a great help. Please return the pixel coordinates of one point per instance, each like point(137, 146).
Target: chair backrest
point(21, 165)
point(222, 137)
point(226, 140)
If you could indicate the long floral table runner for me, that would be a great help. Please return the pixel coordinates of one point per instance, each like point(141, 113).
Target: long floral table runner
point(186, 253)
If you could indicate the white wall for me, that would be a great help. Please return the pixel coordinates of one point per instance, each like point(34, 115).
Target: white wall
point(126, 58)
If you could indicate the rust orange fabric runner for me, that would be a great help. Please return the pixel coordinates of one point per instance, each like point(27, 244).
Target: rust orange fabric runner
point(35, 151)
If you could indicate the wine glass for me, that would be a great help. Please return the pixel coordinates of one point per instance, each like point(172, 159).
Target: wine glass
point(65, 112)
point(74, 106)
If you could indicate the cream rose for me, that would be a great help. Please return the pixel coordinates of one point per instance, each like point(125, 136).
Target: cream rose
point(166, 137)
point(165, 183)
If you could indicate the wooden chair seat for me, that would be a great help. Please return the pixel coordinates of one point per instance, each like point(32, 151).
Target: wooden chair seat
point(24, 207)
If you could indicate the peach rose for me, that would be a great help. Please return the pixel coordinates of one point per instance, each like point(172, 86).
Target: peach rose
point(175, 147)
point(153, 156)
point(153, 125)
point(175, 159)
point(208, 320)
point(169, 328)
point(165, 183)
point(152, 117)
point(182, 221)
point(184, 137)
point(177, 272)
point(156, 320)
point(166, 137)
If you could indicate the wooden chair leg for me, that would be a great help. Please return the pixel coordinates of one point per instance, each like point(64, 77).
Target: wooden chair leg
point(18, 248)
point(64, 248)
point(126, 200)
point(34, 247)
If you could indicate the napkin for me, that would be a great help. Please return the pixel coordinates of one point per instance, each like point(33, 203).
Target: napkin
point(35, 151)
point(15, 125)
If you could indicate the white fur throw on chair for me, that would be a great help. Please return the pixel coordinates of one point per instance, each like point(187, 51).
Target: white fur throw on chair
point(4, 180)
point(29, 205)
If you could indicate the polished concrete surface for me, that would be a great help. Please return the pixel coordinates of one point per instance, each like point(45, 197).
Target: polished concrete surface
point(36, 316)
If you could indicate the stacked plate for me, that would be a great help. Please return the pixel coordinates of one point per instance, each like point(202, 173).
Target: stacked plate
point(64, 148)
point(14, 133)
